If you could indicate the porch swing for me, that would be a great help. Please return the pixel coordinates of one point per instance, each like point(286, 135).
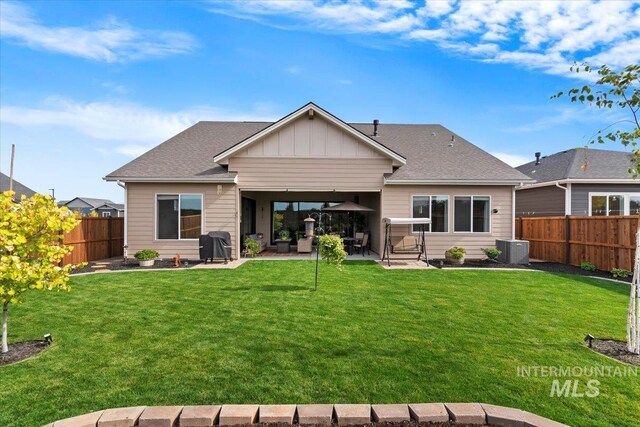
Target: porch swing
point(409, 244)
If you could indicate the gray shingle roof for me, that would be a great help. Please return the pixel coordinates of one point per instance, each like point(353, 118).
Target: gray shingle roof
point(18, 188)
point(426, 148)
point(93, 202)
point(580, 163)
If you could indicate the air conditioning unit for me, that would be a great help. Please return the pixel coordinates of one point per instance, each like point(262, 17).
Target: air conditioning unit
point(513, 251)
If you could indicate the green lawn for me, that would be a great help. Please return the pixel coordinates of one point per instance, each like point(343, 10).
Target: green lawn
point(257, 334)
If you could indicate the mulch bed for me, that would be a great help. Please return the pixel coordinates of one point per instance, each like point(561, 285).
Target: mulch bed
point(550, 267)
point(22, 350)
point(616, 350)
point(132, 264)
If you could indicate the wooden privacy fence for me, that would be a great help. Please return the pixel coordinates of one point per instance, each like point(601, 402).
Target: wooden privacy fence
point(605, 241)
point(95, 238)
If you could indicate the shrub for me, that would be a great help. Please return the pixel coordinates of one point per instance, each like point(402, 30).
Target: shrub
point(251, 247)
point(620, 273)
point(492, 253)
point(146, 254)
point(456, 252)
point(585, 265)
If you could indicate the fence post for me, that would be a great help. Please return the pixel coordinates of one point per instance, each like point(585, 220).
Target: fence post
point(567, 238)
point(109, 227)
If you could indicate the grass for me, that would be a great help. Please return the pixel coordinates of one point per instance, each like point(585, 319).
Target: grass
point(258, 335)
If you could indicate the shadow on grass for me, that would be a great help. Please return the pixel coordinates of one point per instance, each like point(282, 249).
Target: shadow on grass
point(268, 288)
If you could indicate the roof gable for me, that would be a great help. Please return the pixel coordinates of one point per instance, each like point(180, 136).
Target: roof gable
point(349, 138)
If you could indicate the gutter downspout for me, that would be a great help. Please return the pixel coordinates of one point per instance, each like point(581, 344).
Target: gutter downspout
point(567, 197)
point(126, 217)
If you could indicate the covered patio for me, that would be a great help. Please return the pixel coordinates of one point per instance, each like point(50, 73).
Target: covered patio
point(276, 216)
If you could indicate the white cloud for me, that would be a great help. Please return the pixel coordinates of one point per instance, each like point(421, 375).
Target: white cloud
point(512, 159)
point(544, 35)
point(109, 41)
point(137, 126)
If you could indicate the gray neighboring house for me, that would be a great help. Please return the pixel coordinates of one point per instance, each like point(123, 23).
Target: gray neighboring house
point(85, 205)
point(580, 181)
point(20, 189)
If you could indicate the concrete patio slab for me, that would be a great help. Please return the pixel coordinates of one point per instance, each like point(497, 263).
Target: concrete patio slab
point(390, 413)
point(277, 413)
point(406, 265)
point(471, 413)
point(238, 414)
point(348, 414)
point(315, 414)
point(429, 412)
point(86, 420)
point(503, 417)
point(199, 416)
point(533, 420)
point(221, 265)
point(121, 417)
point(159, 416)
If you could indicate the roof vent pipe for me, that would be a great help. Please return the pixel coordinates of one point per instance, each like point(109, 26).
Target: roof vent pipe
point(376, 122)
point(538, 158)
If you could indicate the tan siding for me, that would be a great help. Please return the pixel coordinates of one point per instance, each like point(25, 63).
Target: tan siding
point(310, 174)
point(219, 214)
point(396, 201)
point(309, 138)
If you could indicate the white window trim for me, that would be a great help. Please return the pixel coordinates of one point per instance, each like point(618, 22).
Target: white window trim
point(105, 214)
point(471, 214)
point(155, 216)
point(626, 203)
point(430, 196)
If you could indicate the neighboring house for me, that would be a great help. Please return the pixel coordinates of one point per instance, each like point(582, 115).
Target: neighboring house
point(257, 177)
point(581, 181)
point(86, 205)
point(18, 188)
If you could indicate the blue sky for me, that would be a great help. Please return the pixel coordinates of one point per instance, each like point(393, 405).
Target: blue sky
point(86, 86)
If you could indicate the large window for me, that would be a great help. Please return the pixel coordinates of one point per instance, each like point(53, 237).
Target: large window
point(434, 207)
point(179, 216)
point(472, 214)
point(604, 204)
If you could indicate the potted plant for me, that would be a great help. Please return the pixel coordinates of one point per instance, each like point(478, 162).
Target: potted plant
point(455, 255)
point(284, 243)
point(284, 235)
point(146, 257)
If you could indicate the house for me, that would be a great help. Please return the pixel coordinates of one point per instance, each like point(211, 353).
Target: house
point(259, 177)
point(580, 181)
point(86, 205)
point(18, 188)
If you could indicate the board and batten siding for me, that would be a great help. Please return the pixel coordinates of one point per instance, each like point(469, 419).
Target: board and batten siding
point(315, 138)
point(219, 212)
point(397, 202)
point(541, 201)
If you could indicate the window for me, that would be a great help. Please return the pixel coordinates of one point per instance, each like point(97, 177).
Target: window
point(434, 207)
point(106, 214)
point(179, 216)
point(604, 204)
point(472, 214)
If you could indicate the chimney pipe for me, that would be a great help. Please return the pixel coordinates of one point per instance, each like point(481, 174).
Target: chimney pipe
point(538, 158)
point(376, 122)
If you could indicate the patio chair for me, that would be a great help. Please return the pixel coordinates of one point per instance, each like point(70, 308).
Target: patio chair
point(363, 244)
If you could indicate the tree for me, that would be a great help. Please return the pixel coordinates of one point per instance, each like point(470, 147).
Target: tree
point(31, 249)
point(618, 90)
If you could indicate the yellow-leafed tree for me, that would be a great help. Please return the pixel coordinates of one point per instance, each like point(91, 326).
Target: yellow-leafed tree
point(31, 249)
